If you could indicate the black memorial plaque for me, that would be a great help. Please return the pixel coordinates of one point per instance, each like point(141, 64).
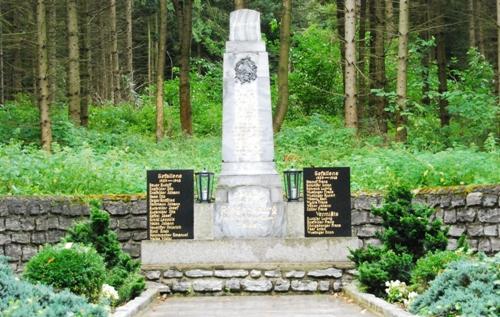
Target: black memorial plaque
point(327, 202)
point(170, 204)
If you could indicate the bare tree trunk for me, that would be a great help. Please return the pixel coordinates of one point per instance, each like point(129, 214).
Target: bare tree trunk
point(129, 67)
point(2, 84)
point(160, 130)
point(103, 43)
point(426, 57)
point(480, 28)
point(184, 14)
point(340, 36)
point(150, 66)
point(239, 4)
point(377, 75)
point(389, 15)
point(362, 60)
point(86, 61)
point(283, 93)
point(404, 15)
point(498, 49)
point(472, 24)
point(43, 84)
point(114, 52)
point(442, 67)
point(73, 63)
point(351, 116)
point(52, 49)
point(18, 46)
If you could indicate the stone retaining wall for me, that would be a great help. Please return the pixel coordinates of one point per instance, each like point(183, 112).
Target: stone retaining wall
point(26, 223)
point(219, 281)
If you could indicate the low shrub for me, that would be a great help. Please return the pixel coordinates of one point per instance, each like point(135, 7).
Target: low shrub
point(390, 266)
point(75, 267)
point(408, 234)
point(19, 298)
point(467, 287)
point(122, 270)
point(429, 266)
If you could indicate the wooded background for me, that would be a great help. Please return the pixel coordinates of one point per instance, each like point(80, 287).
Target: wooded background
point(84, 53)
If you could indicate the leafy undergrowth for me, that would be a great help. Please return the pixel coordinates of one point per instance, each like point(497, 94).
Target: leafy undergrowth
point(113, 154)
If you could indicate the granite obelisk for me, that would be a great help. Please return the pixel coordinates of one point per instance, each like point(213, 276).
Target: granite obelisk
point(249, 199)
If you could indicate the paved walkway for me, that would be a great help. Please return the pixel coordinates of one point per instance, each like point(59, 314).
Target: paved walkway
point(257, 306)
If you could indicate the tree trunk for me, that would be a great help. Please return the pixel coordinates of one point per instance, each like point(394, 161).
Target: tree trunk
point(283, 93)
point(43, 84)
point(160, 130)
point(150, 48)
point(426, 56)
point(472, 24)
point(86, 61)
point(401, 92)
point(239, 4)
point(73, 63)
point(498, 49)
point(2, 84)
point(130, 88)
point(115, 64)
point(52, 49)
point(442, 66)
point(377, 74)
point(340, 36)
point(184, 14)
point(480, 28)
point(105, 79)
point(389, 15)
point(362, 60)
point(351, 116)
point(18, 72)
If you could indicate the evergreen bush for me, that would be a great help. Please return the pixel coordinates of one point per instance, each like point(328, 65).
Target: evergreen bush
point(468, 287)
point(19, 298)
point(429, 266)
point(408, 234)
point(123, 273)
point(75, 267)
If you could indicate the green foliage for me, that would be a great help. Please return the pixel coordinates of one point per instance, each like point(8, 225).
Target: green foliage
point(468, 287)
point(19, 298)
point(407, 227)
point(122, 270)
point(389, 266)
point(408, 234)
point(429, 266)
point(75, 267)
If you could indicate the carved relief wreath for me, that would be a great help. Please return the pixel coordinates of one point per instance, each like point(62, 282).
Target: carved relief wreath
point(245, 71)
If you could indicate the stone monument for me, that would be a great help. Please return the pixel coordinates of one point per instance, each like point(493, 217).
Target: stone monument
point(249, 199)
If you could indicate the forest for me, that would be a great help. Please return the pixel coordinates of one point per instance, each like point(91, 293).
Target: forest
point(95, 92)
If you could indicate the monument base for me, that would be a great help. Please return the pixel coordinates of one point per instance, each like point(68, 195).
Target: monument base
point(249, 205)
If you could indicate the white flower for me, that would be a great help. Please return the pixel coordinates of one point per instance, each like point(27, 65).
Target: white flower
point(68, 245)
point(109, 292)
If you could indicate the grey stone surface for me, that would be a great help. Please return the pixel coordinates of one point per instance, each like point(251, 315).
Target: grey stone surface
point(199, 273)
point(456, 230)
point(256, 285)
point(489, 215)
point(203, 221)
point(294, 213)
point(153, 275)
point(207, 285)
point(368, 231)
point(140, 303)
point(255, 273)
point(490, 230)
point(29, 252)
point(272, 273)
point(257, 306)
point(466, 214)
point(490, 200)
point(324, 286)
point(181, 287)
point(304, 286)
point(495, 244)
point(172, 274)
point(450, 216)
point(330, 272)
point(474, 199)
point(281, 285)
point(475, 230)
point(484, 245)
point(359, 217)
point(230, 273)
point(247, 251)
point(233, 285)
point(337, 286)
point(295, 274)
point(457, 201)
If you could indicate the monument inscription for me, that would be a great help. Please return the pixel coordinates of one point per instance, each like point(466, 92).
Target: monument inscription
point(170, 204)
point(327, 202)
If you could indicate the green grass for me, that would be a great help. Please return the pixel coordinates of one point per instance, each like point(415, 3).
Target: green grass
point(101, 160)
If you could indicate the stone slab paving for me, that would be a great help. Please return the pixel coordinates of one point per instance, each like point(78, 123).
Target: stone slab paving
point(257, 306)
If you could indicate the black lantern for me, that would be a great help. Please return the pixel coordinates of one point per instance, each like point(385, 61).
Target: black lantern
point(293, 183)
point(204, 186)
